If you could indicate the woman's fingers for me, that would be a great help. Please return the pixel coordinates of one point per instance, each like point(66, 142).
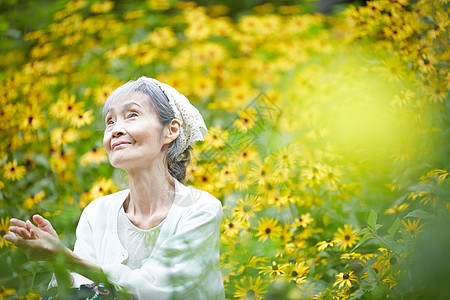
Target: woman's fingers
point(17, 222)
point(44, 224)
point(33, 234)
point(20, 231)
point(11, 237)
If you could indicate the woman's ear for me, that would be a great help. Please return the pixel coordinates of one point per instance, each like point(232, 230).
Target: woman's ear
point(173, 131)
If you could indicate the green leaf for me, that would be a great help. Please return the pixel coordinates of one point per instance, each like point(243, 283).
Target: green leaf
point(378, 226)
point(366, 237)
point(363, 231)
point(368, 264)
point(394, 227)
point(419, 213)
point(312, 267)
point(372, 274)
point(372, 219)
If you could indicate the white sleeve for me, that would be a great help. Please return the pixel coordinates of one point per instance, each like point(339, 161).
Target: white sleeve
point(84, 248)
point(179, 265)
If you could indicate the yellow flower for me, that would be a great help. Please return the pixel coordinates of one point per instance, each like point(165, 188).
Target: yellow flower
point(246, 208)
point(198, 31)
point(263, 173)
point(216, 137)
point(239, 175)
point(159, 4)
point(61, 160)
point(6, 291)
point(101, 187)
point(163, 37)
point(345, 279)
point(247, 288)
point(285, 157)
point(274, 199)
point(267, 228)
point(4, 229)
point(66, 107)
point(12, 171)
point(94, 156)
point(101, 94)
point(32, 200)
point(426, 63)
point(351, 256)
point(232, 227)
point(296, 272)
point(82, 118)
point(304, 220)
point(31, 119)
point(313, 175)
point(246, 120)
point(247, 154)
point(396, 208)
point(59, 136)
point(346, 237)
point(202, 86)
point(413, 227)
point(324, 244)
point(102, 7)
point(273, 270)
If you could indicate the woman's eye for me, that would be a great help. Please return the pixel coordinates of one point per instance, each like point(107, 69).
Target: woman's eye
point(109, 122)
point(132, 115)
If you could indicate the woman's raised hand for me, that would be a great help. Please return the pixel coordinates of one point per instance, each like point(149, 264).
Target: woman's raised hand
point(22, 229)
point(38, 243)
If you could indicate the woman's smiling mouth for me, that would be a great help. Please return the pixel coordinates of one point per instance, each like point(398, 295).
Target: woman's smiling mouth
point(119, 144)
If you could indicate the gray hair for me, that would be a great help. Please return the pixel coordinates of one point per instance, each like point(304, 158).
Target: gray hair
point(176, 163)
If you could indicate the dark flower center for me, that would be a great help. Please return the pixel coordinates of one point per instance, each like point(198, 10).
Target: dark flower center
point(251, 294)
point(294, 274)
point(345, 276)
point(268, 230)
point(347, 237)
point(393, 260)
point(328, 241)
point(231, 225)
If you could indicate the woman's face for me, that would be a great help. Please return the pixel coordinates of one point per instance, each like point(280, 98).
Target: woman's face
point(132, 134)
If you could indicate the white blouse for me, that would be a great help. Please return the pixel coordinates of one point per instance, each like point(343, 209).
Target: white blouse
point(138, 242)
point(184, 261)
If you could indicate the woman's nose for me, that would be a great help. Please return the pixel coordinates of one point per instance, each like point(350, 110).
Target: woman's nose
point(118, 130)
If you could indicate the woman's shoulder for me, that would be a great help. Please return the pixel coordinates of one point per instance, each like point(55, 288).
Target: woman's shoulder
point(103, 203)
point(201, 200)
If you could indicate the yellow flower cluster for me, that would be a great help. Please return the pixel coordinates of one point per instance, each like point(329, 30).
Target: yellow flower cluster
point(304, 112)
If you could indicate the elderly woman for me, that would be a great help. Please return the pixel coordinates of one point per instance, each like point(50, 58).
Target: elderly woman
point(159, 239)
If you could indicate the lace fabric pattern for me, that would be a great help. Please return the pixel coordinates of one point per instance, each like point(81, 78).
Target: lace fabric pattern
point(193, 127)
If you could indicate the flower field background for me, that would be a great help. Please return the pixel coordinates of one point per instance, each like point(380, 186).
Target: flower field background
point(328, 139)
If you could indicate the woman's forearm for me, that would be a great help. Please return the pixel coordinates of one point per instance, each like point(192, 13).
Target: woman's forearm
point(84, 267)
point(62, 275)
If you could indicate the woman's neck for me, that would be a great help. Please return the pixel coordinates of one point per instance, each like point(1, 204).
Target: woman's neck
point(151, 196)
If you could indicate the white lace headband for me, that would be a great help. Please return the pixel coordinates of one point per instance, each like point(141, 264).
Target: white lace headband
point(193, 127)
